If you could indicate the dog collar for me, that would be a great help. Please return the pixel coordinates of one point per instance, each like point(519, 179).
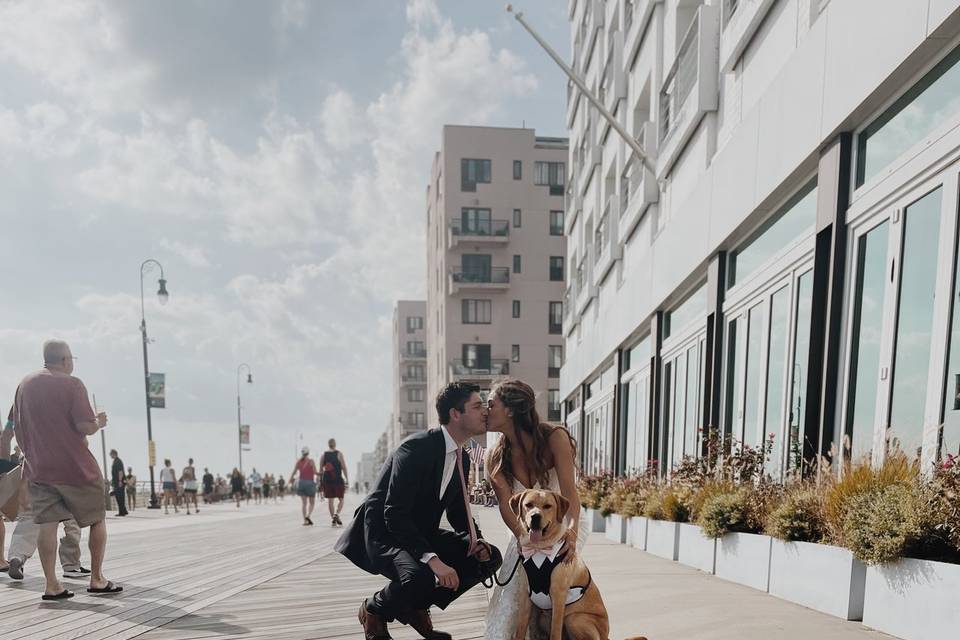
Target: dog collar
point(539, 556)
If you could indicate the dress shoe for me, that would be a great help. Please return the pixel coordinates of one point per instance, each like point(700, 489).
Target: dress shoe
point(374, 628)
point(420, 620)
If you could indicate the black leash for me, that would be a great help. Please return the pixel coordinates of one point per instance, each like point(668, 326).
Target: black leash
point(493, 577)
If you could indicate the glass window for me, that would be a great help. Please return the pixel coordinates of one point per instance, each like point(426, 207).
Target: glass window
point(550, 173)
point(776, 376)
point(473, 171)
point(694, 307)
point(910, 119)
point(868, 301)
point(639, 355)
point(752, 429)
point(416, 348)
point(556, 269)
point(950, 432)
point(516, 308)
point(556, 317)
point(663, 455)
point(516, 264)
point(680, 389)
point(553, 405)
point(554, 360)
point(473, 221)
point(692, 421)
point(915, 307)
point(556, 223)
point(415, 395)
point(517, 218)
point(798, 384)
point(637, 420)
point(414, 323)
point(515, 352)
point(732, 415)
point(477, 311)
point(792, 221)
point(517, 170)
point(476, 356)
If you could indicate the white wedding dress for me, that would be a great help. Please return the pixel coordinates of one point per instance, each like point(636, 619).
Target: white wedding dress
point(505, 601)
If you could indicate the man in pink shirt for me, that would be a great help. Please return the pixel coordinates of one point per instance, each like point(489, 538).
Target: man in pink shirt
point(52, 420)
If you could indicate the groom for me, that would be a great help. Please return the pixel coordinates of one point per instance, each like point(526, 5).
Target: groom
point(396, 531)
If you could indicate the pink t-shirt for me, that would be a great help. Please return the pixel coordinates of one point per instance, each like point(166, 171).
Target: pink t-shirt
point(307, 469)
point(48, 407)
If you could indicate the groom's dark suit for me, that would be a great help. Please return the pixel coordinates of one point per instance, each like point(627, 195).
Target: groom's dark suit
point(399, 522)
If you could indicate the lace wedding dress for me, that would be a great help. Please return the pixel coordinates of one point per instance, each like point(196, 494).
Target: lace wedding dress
point(504, 602)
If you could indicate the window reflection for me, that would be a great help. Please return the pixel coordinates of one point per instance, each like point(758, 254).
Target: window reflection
point(773, 418)
point(800, 360)
point(752, 429)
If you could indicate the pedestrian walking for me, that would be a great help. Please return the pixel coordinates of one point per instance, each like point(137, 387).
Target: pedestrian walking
point(236, 485)
point(118, 483)
point(333, 480)
point(267, 485)
point(256, 486)
point(131, 483)
point(188, 480)
point(306, 472)
point(207, 486)
point(281, 486)
point(52, 419)
point(168, 480)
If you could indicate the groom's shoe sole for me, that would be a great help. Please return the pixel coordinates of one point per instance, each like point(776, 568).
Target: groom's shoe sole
point(362, 616)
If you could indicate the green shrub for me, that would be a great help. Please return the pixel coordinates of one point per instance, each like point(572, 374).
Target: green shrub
point(723, 513)
point(669, 503)
point(627, 496)
point(880, 526)
point(593, 489)
point(799, 516)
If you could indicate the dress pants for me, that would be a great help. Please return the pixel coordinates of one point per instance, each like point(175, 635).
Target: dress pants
point(23, 542)
point(413, 585)
point(119, 493)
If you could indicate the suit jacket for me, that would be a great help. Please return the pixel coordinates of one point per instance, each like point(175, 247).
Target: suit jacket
point(116, 474)
point(403, 511)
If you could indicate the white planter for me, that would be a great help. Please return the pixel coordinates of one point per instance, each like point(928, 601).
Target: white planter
point(597, 522)
point(913, 599)
point(616, 528)
point(662, 538)
point(744, 558)
point(637, 533)
point(818, 576)
point(696, 550)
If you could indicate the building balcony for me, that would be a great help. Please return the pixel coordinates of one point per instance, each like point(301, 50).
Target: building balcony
point(418, 354)
point(638, 185)
point(741, 19)
point(478, 231)
point(476, 370)
point(588, 157)
point(636, 17)
point(606, 246)
point(690, 88)
point(493, 279)
point(407, 379)
point(586, 289)
point(613, 82)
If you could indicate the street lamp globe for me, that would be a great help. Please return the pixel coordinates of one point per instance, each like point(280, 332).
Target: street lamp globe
point(162, 294)
point(249, 378)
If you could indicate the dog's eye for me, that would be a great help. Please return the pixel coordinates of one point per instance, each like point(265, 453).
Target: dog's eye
point(529, 505)
point(548, 506)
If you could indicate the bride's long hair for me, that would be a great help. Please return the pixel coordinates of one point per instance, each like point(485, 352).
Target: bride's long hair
point(521, 400)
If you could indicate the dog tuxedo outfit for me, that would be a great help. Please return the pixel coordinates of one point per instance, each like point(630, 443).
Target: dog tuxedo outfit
point(539, 565)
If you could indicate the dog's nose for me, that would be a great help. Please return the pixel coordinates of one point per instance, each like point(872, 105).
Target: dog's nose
point(535, 520)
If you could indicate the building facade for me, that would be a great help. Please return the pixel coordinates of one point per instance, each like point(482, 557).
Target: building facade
point(409, 371)
point(496, 261)
point(784, 269)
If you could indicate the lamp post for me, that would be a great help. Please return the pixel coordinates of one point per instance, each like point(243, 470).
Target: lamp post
point(239, 428)
point(162, 297)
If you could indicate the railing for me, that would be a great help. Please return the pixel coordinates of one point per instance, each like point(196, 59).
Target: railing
point(581, 277)
point(680, 80)
point(416, 353)
point(553, 415)
point(729, 8)
point(494, 275)
point(602, 234)
point(409, 378)
point(553, 372)
point(489, 228)
point(496, 367)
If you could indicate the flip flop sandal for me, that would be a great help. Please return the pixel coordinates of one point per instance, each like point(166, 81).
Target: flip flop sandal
point(63, 595)
point(110, 588)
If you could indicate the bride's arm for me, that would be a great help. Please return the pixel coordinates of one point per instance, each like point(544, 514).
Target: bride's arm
point(563, 455)
point(504, 494)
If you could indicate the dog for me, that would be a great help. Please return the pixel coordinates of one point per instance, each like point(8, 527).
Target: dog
point(561, 588)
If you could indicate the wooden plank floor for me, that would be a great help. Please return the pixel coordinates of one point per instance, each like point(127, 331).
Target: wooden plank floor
point(224, 573)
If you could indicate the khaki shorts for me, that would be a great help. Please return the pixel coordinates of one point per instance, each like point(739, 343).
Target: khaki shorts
point(59, 502)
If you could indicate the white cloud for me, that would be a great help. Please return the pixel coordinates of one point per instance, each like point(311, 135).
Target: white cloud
point(192, 255)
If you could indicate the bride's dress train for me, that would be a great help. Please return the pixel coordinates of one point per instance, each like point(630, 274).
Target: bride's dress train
point(505, 601)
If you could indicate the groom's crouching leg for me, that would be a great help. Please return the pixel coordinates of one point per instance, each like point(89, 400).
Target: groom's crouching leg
point(470, 571)
point(412, 585)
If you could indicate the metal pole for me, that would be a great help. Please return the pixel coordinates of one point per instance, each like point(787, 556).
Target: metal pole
point(239, 430)
point(154, 502)
point(630, 140)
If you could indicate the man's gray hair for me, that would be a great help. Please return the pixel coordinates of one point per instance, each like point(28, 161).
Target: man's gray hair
point(54, 351)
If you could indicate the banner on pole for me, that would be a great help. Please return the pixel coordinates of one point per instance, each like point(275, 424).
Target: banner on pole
point(152, 453)
point(244, 434)
point(157, 390)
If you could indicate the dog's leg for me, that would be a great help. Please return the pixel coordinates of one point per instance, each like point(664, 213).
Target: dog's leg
point(523, 617)
point(584, 627)
point(558, 598)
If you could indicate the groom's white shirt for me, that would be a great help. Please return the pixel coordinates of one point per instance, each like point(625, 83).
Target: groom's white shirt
point(449, 466)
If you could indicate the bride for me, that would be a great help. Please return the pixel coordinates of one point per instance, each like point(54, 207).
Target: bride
point(530, 454)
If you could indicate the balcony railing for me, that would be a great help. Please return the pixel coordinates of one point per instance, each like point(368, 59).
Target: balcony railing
point(680, 80)
point(409, 378)
point(479, 368)
point(482, 228)
point(415, 353)
point(602, 234)
point(494, 275)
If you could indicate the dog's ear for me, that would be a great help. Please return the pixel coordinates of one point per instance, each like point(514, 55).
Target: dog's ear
point(563, 505)
point(515, 504)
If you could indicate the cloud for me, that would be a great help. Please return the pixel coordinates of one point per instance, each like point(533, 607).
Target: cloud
point(193, 256)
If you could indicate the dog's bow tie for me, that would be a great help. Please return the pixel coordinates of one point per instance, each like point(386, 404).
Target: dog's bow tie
point(539, 555)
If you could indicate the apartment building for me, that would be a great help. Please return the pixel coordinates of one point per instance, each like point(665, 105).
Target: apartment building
point(784, 269)
point(409, 371)
point(496, 260)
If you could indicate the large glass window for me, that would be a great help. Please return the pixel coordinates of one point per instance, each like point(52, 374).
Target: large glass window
point(554, 360)
point(792, 221)
point(732, 415)
point(694, 307)
point(679, 409)
point(915, 309)
point(752, 429)
point(776, 373)
point(692, 419)
point(864, 368)
point(910, 119)
point(637, 419)
point(475, 222)
point(556, 269)
point(556, 223)
point(551, 174)
point(476, 311)
point(473, 171)
point(950, 433)
point(555, 323)
point(799, 372)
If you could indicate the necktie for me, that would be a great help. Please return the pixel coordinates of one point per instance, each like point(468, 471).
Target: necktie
point(466, 503)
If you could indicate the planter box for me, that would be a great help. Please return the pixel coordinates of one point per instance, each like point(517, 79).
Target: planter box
point(662, 538)
point(696, 550)
point(596, 521)
point(913, 599)
point(637, 533)
point(616, 528)
point(744, 558)
point(818, 576)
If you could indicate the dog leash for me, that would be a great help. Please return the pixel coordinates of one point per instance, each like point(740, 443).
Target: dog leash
point(493, 577)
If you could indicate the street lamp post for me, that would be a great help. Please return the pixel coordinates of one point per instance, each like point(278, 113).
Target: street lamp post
point(162, 296)
point(239, 428)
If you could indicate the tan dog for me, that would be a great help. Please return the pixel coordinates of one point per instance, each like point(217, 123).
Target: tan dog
point(573, 607)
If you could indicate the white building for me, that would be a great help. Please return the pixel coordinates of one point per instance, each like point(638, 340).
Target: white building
point(409, 371)
point(788, 269)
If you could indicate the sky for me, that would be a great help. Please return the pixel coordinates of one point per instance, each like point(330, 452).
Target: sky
point(273, 157)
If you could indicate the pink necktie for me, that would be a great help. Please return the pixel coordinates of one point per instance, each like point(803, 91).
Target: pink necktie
point(466, 502)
